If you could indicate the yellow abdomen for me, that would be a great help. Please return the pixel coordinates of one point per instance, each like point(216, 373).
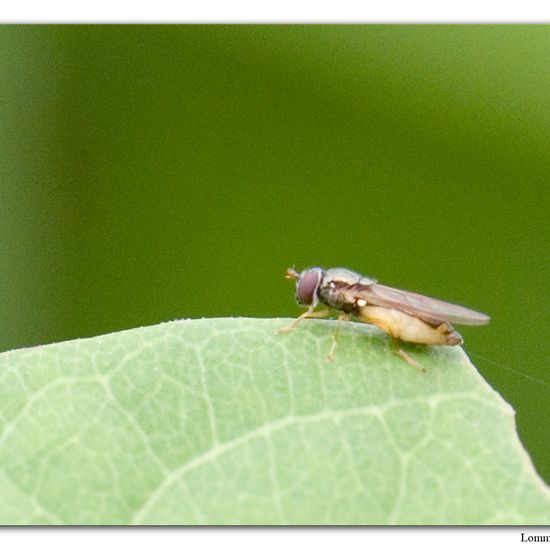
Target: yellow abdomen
point(409, 328)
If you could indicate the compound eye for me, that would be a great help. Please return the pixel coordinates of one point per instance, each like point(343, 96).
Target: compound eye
point(306, 289)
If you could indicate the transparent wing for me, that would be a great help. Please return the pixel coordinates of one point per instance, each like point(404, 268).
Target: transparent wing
point(429, 309)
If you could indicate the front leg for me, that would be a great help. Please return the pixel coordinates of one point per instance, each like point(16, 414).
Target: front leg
point(309, 314)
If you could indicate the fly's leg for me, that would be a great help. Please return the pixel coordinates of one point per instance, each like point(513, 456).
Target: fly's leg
point(309, 314)
point(341, 317)
point(406, 357)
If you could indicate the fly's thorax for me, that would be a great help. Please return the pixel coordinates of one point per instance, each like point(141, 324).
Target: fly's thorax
point(341, 276)
point(340, 289)
point(336, 287)
point(339, 297)
point(331, 298)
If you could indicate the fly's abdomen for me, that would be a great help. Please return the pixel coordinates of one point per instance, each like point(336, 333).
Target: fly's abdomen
point(408, 328)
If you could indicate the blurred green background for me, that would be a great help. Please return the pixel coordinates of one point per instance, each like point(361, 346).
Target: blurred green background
point(157, 172)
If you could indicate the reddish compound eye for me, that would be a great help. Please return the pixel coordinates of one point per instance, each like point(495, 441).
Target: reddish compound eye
point(308, 284)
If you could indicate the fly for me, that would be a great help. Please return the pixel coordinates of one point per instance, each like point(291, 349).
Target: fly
point(405, 316)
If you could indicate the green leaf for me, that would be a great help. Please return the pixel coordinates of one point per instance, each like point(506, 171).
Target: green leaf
point(220, 421)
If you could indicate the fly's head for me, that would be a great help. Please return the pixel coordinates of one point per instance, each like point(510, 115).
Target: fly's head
point(308, 284)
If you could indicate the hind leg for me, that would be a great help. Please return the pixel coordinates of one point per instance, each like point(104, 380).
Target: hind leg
point(405, 356)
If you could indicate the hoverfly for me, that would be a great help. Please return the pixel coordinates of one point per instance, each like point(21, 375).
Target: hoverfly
point(405, 316)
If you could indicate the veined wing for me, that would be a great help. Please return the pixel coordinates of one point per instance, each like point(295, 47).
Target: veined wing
point(429, 309)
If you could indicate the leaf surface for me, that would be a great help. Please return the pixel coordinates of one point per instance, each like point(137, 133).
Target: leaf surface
point(220, 421)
